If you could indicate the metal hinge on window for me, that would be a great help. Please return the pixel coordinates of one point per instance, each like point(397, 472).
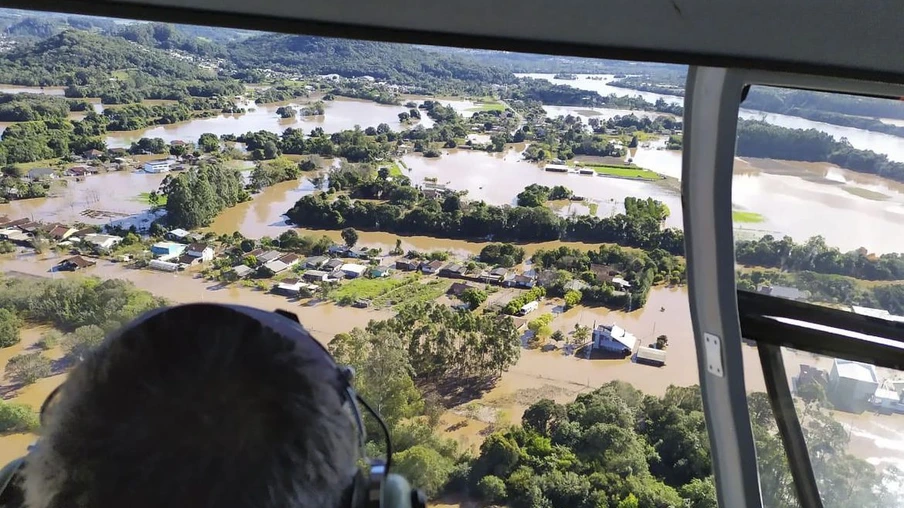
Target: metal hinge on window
point(713, 354)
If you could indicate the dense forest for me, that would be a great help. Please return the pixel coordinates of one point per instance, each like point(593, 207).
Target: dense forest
point(760, 139)
point(195, 197)
point(815, 256)
point(397, 63)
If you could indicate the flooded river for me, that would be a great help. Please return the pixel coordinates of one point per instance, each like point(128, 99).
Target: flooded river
point(339, 114)
point(603, 87)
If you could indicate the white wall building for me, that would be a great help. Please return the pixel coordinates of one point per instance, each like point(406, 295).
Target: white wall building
point(158, 166)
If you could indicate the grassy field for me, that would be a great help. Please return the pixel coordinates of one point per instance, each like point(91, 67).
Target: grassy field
point(367, 289)
point(487, 106)
point(144, 197)
point(416, 292)
point(624, 171)
point(746, 217)
point(395, 169)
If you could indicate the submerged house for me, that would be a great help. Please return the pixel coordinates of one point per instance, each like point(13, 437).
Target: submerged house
point(614, 339)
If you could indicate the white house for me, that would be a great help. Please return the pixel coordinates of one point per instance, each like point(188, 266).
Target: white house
point(613, 339)
point(315, 275)
point(886, 399)
point(352, 270)
point(200, 250)
point(158, 166)
point(102, 241)
point(851, 384)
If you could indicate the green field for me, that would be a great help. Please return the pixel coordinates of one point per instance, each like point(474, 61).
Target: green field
point(487, 106)
point(592, 208)
point(415, 292)
point(746, 217)
point(144, 197)
point(366, 289)
point(395, 169)
point(624, 171)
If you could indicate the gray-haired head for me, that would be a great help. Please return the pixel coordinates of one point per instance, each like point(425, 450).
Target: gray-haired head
point(199, 406)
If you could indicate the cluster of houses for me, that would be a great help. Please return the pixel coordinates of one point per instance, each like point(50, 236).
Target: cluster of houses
point(23, 232)
point(181, 250)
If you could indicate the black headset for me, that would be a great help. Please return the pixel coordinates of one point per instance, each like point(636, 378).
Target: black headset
point(373, 487)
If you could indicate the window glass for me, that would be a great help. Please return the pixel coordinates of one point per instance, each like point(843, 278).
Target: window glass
point(492, 239)
point(817, 197)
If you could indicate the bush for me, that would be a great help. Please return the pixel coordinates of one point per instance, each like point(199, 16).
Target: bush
point(81, 341)
point(17, 417)
point(28, 368)
point(474, 297)
point(50, 340)
point(572, 298)
point(425, 468)
point(491, 489)
point(9, 328)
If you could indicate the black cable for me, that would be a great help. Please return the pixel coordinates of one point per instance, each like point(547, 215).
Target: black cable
point(382, 426)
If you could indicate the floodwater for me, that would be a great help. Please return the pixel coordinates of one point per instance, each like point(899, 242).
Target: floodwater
point(46, 90)
point(115, 192)
point(893, 146)
point(602, 114)
point(498, 178)
point(603, 87)
point(339, 114)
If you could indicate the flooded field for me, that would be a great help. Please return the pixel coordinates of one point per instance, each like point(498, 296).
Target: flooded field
point(600, 84)
point(340, 114)
point(114, 192)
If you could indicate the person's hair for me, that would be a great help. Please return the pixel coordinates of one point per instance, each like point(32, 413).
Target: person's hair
point(200, 406)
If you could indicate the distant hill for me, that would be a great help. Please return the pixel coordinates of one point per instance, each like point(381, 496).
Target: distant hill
point(20, 24)
point(166, 36)
point(77, 57)
point(398, 63)
point(528, 62)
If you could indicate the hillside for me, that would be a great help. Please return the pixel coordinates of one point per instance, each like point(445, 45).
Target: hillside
point(397, 63)
point(77, 57)
point(528, 62)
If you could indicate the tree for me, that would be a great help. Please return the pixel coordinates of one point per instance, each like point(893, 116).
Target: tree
point(50, 339)
point(474, 297)
point(17, 417)
point(662, 342)
point(28, 368)
point(700, 492)
point(9, 328)
point(543, 416)
point(425, 468)
point(572, 298)
point(630, 501)
point(208, 142)
point(404, 116)
point(558, 336)
point(581, 334)
point(82, 340)
point(349, 236)
point(491, 489)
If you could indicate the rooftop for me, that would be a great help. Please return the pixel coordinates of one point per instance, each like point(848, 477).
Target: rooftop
point(855, 370)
